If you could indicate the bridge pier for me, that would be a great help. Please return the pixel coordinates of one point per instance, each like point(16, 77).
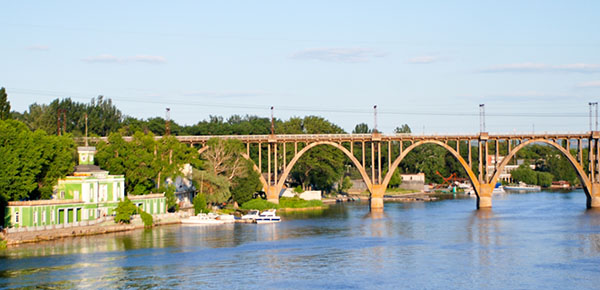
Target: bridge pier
point(593, 196)
point(484, 195)
point(377, 192)
point(273, 194)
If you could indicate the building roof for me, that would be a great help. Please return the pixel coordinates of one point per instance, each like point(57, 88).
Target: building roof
point(88, 168)
point(43, 202)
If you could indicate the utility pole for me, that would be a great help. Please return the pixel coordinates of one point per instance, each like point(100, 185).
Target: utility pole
point(375, 119)
point(590, 105)
point(481, 118)
point(168, 122)
point(86, 129)
point(272, 122)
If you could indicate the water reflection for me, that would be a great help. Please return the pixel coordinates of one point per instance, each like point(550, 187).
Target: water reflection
point(543, 240)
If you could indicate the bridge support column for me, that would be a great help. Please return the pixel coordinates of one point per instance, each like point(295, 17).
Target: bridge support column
point(593, 199)
point(484, 195)
point(273, 194)
point(377, 191)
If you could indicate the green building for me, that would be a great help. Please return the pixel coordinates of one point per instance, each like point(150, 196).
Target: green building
point(88, 194)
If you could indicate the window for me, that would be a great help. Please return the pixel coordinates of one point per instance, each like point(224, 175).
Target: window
point(17, 217)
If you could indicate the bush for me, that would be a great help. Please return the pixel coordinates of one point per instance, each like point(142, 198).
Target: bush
point(298, 189)
point(147, 219)
point(124, 211)
point(200, 204)
point(296, 202)
point(2, 244)
point(259, 204)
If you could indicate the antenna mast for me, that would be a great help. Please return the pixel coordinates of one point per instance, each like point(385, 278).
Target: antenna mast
point(272, 122)
point(168, 122)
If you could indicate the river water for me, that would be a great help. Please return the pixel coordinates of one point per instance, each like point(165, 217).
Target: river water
point(536, 240)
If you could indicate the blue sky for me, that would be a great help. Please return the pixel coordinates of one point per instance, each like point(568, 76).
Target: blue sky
point(535, 64)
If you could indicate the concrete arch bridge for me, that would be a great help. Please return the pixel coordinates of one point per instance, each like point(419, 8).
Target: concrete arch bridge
point(283, 151)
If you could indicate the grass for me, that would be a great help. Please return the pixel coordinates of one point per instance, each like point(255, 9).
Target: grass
point(296, 202)
point(284, 202)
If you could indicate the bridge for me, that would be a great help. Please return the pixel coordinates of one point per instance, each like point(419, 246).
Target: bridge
point(281, 159)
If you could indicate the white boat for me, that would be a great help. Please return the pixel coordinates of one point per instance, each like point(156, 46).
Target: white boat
point(522, 187)
point(202, 219)
point(267, 216)
point(251, 215)
point(226, 218)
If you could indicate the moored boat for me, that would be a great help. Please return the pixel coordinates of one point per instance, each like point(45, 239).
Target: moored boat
point(522, 187)
point(268, 216)
point(251, 215)
point(202, 219)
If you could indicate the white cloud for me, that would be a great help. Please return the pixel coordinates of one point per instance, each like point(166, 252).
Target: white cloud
point(38, 47)
point(426, 59)
point(590, 84)
point(109, 58)
point(541, 67)
point(348, 55)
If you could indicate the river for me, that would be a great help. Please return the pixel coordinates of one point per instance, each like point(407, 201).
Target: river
point(535, 240)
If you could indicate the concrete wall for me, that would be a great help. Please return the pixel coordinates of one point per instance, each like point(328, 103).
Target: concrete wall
point(307, 195)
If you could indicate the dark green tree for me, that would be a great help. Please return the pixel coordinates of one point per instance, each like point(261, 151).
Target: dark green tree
point(4, 105)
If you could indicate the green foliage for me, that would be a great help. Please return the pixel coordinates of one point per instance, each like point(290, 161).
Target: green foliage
point(362, 128)
point(259, 204)
point(296, 202)
point(31, 162)
point(200, 204)
point(214, 187)
point(144, 161)
point(319, 168)
point(125, 209)
point(147, 219)
point(169, 191)
point(524, 174)
point(544, 179)
point(4, 105)
point(244, 186)
point(2, 244)
point(403, 129)
point(298, 189)
point(345, 184)
point(396, 180)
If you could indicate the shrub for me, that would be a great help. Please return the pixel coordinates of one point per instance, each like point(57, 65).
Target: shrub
point(259, 204)
point(125, 209)
point(298, 189)
point(200, 204)
point(147, 219)
point(2, 244)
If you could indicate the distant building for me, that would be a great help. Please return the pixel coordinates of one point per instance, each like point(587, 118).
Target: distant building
point(413, 181)
point(505, 174)
point(86, 195)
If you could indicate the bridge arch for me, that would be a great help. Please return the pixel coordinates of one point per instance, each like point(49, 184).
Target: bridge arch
point(585, 181)
point(461, 160)
point(263, 181)
point(288, 168)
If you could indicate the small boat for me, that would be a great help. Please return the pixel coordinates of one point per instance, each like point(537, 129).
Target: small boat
point(251, 215)
point(522, 187)
point(202, 219)
point(499, 189)
point(267, 216)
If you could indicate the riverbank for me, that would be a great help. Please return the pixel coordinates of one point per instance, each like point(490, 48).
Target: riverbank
point(109, 226)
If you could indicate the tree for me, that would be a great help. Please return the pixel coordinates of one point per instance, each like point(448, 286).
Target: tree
point(345, 184)
point(544, 179)
point(4, 105)
point(125, 209)
point(242, 188)
point(524, 174)
point(403, 129)
point(215, 188)
point(200, 204)
point(224, 158)
point(362, 128)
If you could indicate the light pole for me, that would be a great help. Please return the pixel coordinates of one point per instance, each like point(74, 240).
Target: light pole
point(481, 118)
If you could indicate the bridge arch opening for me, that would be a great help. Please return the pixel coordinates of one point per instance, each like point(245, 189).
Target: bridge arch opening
point(579, 170)
point(287, 170)
point(464, 164)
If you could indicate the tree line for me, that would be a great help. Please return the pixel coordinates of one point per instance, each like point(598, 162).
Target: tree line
point(36, 148)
